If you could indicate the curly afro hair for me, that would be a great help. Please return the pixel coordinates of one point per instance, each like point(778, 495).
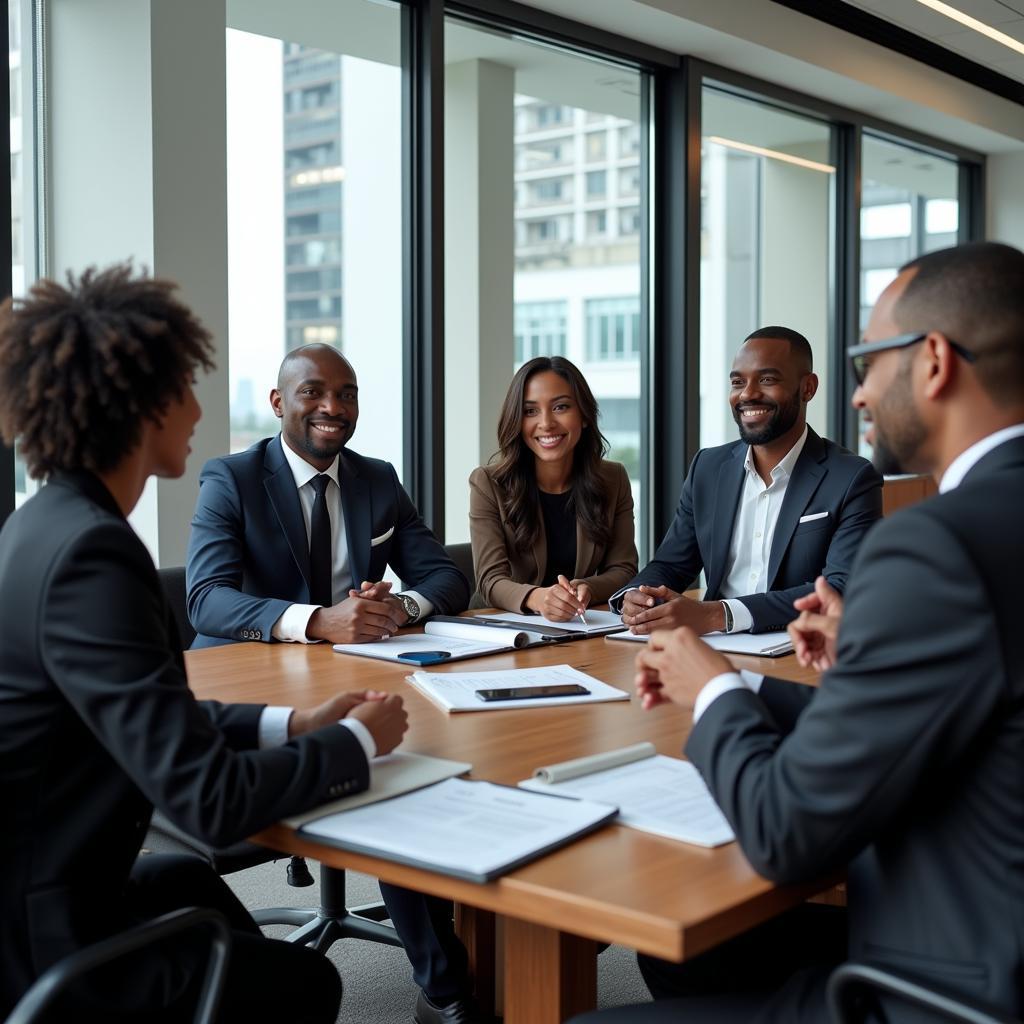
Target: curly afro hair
point(82, 366)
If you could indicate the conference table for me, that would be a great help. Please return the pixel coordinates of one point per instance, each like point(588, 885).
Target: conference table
point(617, 885)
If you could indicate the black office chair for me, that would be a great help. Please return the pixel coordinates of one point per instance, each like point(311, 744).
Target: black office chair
point(34, 1004)
point(854, 988)
point(462, 556)
point(319, 928)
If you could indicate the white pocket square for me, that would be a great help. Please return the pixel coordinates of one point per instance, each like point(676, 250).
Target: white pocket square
point(374, 541)
point(812, 516)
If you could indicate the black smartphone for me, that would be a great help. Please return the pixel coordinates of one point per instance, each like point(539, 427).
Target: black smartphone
point(529, 692)
point(423, 657)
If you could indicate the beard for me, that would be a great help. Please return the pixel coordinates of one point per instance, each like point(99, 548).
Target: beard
point(325, 447)
point(783, 417)
point(899, 432)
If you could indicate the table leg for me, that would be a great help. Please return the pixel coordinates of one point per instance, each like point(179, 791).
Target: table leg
point(549, 975)
point(476, 930)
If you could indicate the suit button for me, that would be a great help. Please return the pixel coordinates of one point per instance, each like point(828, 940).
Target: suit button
point(245, 634)
point(257, 635)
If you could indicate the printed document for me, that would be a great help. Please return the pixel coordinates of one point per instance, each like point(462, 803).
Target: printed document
point(761, 645)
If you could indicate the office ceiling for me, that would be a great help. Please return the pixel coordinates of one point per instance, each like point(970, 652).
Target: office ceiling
point(1005, 15)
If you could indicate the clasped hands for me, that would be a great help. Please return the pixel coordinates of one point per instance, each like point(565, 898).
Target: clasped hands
point(382, 713)
point(369, 613)
point(676, 664)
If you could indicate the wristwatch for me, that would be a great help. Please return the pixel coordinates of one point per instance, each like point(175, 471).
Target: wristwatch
point(728, 616)
point(412, 609)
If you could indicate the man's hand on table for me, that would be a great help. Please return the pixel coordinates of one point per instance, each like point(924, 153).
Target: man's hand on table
point(675, 666)
point(815, 631)
point(367, 614)
point(382, 713)
point(643, 613)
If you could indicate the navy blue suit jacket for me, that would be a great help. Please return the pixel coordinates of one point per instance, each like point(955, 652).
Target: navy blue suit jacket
point(248, 555)
point(826, 478)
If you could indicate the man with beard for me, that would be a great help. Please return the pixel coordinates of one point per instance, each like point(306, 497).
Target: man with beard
point(289, 542)
point(904, 766)
point(762, 516)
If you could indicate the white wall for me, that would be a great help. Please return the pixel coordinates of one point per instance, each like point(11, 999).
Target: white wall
point(1004, 191)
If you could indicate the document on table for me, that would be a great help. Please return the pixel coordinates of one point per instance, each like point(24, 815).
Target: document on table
point(761, 645)
point(474, 830)
point(456, 691)
point(390, 775)
point(457, 640)
point(598, 622)
point(654, 793)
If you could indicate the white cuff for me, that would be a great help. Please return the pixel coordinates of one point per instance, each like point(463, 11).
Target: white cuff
point(725, 683)
point(742, 620)
point(273, 726)
point(620, 597)
point(365, 737)
point(291, 627)
point(426, 608)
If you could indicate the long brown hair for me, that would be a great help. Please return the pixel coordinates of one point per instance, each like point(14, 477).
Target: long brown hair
point(516, 474)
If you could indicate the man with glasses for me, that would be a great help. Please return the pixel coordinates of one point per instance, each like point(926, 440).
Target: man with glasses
point(904, 767)
point(762, 516)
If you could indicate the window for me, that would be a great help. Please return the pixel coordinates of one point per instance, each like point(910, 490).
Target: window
point(613, 329)
point(540, 329)
point(520, 280)
point(629, 220)
point(314, 211)
point(766, 233)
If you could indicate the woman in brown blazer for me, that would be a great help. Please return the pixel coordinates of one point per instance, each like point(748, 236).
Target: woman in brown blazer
point(551, 522)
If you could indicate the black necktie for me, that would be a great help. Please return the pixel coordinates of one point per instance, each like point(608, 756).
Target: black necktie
point(321, 558)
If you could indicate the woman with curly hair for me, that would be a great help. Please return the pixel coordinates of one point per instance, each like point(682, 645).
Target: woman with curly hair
point(551, 521)
point(97, 723)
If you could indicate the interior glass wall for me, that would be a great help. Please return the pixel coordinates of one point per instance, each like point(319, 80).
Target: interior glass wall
point(314, 129)
point(767, 231)
point(542, 234)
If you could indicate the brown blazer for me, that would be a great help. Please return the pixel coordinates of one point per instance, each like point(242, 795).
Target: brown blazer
point(504, 576)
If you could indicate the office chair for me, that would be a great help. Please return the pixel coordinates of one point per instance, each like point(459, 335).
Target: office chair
point(319, 928)
point(33, 1005)
point(462, 556)
point(851, 988)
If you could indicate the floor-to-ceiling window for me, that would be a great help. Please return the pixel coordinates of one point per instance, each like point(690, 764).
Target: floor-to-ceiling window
point(767, 228)
point(543, 233)
point(314, 129)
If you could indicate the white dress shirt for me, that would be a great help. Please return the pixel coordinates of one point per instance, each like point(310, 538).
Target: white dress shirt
point(751, 545)
point(951, 479)
point(291, 626)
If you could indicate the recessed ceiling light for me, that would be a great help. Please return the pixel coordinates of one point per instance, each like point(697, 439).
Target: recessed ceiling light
point(973, 23)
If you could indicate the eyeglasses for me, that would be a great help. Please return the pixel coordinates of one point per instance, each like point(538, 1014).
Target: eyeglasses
point(860, 356)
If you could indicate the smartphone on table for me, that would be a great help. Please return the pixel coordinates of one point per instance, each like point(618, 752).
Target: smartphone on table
point(530, 692)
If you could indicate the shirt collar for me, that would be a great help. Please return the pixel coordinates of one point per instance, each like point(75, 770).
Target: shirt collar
point(784, 469)
point(967, 460)
point(302, 471)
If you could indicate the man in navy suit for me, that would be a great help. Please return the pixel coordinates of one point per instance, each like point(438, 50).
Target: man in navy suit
point(250, 575)
point(762, 516)
point(289, 542)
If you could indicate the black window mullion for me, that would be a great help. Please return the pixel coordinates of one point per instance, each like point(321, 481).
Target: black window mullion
point(6, 279)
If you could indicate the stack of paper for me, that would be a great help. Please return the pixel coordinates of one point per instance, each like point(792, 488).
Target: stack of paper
point(596, 624)
point(761, 645)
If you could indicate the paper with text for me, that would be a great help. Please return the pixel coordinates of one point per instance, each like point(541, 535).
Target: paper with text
point(597, 621)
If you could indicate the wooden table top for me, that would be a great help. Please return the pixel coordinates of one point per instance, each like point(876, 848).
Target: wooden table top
point(619, 885)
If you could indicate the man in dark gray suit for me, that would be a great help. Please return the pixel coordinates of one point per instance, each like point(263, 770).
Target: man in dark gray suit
point(762, 516)
point(906, 765)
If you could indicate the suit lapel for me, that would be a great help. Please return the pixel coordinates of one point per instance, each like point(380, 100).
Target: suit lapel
point(808, 473)
point(726, 507)
point(355, 506)
point(284, 498)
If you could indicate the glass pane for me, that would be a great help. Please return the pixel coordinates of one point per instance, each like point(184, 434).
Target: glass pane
point(766, 228)
point(556, 270)
point(908, 207)
point(23, 185)
point(314, 206)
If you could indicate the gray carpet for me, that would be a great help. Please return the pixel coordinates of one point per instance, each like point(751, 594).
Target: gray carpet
point(378, 981)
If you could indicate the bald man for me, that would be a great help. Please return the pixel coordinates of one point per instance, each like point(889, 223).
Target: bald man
point(253, 570)
point(290, 540)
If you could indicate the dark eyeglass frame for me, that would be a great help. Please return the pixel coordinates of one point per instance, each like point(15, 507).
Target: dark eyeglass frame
point(860, 354)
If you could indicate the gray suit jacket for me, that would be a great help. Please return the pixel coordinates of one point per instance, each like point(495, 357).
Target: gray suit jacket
point(907, 764)
point(826, 478)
